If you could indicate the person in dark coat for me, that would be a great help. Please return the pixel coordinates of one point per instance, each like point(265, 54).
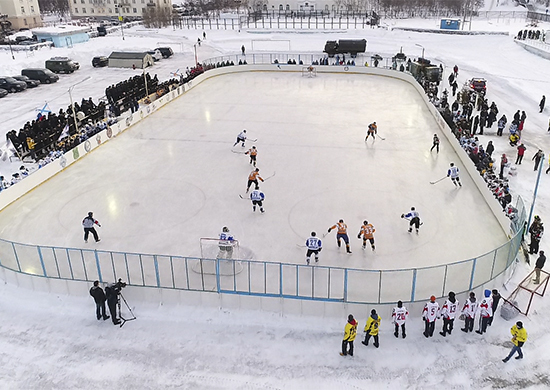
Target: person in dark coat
point(99, 297)
point(536, 231)
point(476, 124)
point(490, 148)
point(496, 300)
point(112, 301)
point(537, 158)
point(521, 153)
point(538, 266)
point(542, 103)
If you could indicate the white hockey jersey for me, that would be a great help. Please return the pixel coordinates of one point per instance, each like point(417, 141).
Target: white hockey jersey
point(453, 172)
point(431, 311)
point(242, 135)
point(449, 309)
point(313, 243)
point(486, 307)
point(257, 195)
point(470, 308)
point(399, 315)
point(412, 214)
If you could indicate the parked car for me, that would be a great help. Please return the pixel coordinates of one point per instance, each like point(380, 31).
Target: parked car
point(101, 31)
point(3, 93)
point(157, 56)
point(12, 85)
point(43, 75)
point(30, 83)
point(98, 62)
point(166, 52)
point(62, 65)
point(478, 85)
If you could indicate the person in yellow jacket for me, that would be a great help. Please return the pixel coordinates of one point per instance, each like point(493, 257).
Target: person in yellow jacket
point(350, 331)
point(371, 328)
point(519, 338)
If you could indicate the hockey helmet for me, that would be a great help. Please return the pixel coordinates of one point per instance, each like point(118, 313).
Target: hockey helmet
point(90, 214)
point(225, 229)
point(313, 234)
point(365, 222)
point(452, 164)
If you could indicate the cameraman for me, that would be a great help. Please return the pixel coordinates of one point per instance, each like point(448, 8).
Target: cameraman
point(112, 291)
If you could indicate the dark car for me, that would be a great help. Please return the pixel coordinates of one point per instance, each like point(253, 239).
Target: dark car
point(166, 52)
point(30, 83)
point(12, 85)
point(3, 93)
point(98, 62)
point(478, 85)
point(45, 76)
point(62, 65)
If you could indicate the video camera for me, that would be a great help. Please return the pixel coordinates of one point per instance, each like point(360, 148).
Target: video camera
point(118, 286)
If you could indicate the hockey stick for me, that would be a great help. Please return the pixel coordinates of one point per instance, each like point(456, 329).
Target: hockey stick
point(408, 219)
point(243, 198)
point(301, 246)
point(269, 177)
point(236, 151)
point(252, 140)
point(437, 181)
point(383, 139)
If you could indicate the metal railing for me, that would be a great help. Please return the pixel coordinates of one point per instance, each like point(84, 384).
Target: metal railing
point(263, 278)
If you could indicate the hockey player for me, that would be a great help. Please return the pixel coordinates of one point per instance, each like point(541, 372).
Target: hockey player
point(448, 312)
point(88, 223)
point(435, 143)
point(430, 314)
point(367, 231)
point(314, 246)
point(253, 152)
point(485, 311)
point(342, 234)
point(371, 328)
point(469, 310)
point(241, 138)
point(225, 244)
point(414, 219)
point(453, 174)
point(399, 317)
point(253, 178)
point(372, 130)
point(350, 331)
point(257, 197)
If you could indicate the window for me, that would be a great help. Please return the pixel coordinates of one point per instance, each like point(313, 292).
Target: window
point(133, 1)
point(92, 11)
point(22, 10)
point(83, 10)
point(143, 10)
point(34, 20)
point(264, 7)
point(135, 10)
point(83, 1)
point(280, 7)
point(110, 10)
point(142, 1)
point(76, 10)
point(326, 7)
point(32, 9)
point(108, 1)
point(165, 1)
point(74, 1)
point(288, 7)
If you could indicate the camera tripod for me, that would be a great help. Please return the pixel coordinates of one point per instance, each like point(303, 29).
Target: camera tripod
point(124, 320)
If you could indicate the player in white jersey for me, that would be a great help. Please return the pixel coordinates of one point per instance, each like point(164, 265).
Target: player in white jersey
point(225, 244)
point(241, 138)
point(314, 246)
point(257, 197)
point(448, 312)
point(469, 310)
point(430, 314)
point(399, 317)
point(414, 219)
point(453, 173)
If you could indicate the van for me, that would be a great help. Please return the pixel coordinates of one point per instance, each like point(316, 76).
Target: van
point(62, 65)
point(43, 75)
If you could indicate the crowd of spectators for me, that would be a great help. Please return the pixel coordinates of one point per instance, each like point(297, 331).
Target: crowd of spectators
point(530, 34)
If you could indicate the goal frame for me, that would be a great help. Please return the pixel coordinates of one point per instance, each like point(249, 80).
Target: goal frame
point(220, 264)
point(526, 286)
point(219, 243)
point(309, 71)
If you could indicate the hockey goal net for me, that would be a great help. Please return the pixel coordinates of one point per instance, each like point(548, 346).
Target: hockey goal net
point(533, 284)
point(223, 252)
point(309, 71)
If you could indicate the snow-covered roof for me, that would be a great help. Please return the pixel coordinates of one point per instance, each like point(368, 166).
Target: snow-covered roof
point(60, 30)
point(126, 55)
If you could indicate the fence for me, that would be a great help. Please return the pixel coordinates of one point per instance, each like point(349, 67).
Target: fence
point(326, 21)
point(261, 278)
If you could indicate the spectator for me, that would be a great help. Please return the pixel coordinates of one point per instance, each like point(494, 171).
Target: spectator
point(99, 297)
point(519, 338)
point(538, 266)
point(485, 311)
point(521, 152)
point(469, 311)
point(496, 300)
point(537, 158)
point(350, 331)
point(371, 328)
point(542, 103)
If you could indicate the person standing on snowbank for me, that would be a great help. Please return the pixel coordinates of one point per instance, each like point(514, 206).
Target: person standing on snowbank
point(99, 297)
point(350, 331)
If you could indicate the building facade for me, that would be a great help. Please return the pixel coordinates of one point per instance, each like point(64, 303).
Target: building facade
point(21, 13)
point(115, 8)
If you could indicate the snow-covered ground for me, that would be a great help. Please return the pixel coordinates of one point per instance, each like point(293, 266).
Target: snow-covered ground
point(54, 342)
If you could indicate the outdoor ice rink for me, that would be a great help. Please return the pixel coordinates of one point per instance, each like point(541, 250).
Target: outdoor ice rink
point(173, 178)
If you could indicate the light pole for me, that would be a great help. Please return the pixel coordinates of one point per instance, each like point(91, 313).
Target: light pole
point(196, 58)
point(416, 44)
point(72, 103)
point(535, 192)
